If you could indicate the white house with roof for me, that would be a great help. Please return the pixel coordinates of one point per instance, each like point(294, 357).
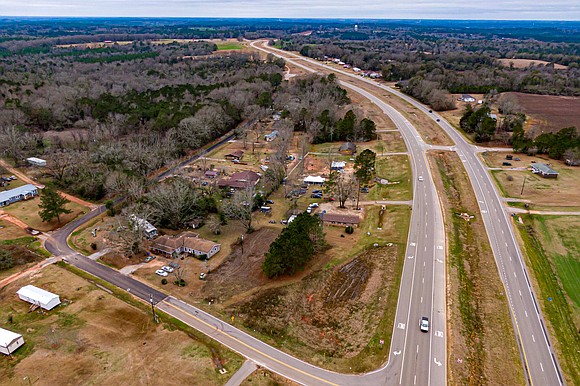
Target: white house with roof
point(272, 136)
point(544, 170)
point(148, 229)
point(20, 193)
point(39, 297)
point(9, 341)
point(314, 180)
point(338, 165)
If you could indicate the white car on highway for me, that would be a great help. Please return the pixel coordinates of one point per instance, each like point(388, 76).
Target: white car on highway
point(421, 178)
point(424, 324)
point(161, 272)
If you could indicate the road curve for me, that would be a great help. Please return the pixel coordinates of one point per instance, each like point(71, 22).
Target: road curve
point(539, 359)
point(415, 358)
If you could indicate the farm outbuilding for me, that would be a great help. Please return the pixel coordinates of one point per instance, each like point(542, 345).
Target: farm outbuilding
point(9, 341)
point(39, 297)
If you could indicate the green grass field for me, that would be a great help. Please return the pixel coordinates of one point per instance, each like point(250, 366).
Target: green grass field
point(396, 169)
point(229, 46)
point(552, 248)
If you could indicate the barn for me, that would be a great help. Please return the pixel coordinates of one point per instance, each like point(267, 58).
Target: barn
point(39, 297)
point(9, 341)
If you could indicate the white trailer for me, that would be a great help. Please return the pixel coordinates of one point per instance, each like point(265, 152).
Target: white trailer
point(39, 297)
point(9, 341)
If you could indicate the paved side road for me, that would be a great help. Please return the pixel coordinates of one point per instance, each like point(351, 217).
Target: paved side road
point(244, 372)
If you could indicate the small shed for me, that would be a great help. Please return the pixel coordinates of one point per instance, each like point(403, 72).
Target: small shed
point(338, 165)
point(9, 341)
point(39, 297)
point(347, 148)
point(36, 161)
point(211, 174)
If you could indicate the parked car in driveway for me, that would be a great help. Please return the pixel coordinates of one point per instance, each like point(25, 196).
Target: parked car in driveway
point(161, 272)
point(167, 268)
point(149, 258)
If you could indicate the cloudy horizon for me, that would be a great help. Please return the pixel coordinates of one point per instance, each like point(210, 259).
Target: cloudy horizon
point(325, 9)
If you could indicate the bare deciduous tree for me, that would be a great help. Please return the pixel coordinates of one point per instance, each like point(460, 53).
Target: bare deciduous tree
point(239, 207)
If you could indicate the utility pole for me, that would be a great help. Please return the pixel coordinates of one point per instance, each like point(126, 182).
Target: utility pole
point(155, 318)
point(523, 184)
point(242, 245)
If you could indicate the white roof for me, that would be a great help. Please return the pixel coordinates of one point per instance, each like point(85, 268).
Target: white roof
point(25, 189)
point(144, 224)
point(338, 164)
point(37, 294)
point(315, 179)
point(7, 337)
point(34, 159)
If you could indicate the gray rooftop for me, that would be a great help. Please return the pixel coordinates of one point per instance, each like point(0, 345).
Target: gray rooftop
point(545, 169)
point(7, 195)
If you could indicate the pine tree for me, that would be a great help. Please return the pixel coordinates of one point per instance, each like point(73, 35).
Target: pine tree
point(52, 205)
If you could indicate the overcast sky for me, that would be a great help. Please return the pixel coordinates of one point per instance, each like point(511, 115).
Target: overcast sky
point(377, 9)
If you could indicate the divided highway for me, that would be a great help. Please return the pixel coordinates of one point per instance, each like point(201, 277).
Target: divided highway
point(416, 358)
point(540, 363)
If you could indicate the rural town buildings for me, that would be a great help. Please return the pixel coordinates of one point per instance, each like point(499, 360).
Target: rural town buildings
point(9, 341)
point(38, 297)
point(18, 194)
point(36, 161)
point(544, 170)
point(187, 242)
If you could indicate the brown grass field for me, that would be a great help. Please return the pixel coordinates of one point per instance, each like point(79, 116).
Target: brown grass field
point(95, 338)
point(549, 113)
point(544, 193)
point(27, 211)
point(524, 63)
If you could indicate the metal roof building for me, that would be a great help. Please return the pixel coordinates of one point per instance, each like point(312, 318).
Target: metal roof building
point(544, 170)
point(39, 297)
point(18, 194)
point(9, 341)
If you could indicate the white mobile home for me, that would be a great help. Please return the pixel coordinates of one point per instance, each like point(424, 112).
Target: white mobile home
point(36, 161)
point(18, 194)
point(9, 341)
point(39, 297)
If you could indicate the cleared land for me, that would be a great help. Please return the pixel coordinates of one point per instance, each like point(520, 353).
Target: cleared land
point(552, 250)
point(397, 170)
point(543, 193)
point(335, 311)
point(524, 63)
point(548, 113)
point(95, 338)
point(27, 211)
point(481, 344)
